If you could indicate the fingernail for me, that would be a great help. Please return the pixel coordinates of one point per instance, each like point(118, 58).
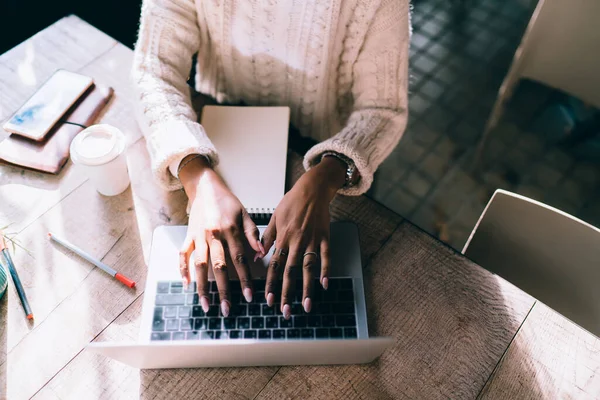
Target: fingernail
point(185, 281)
point(204, 303)
point(248, 294)
point(325, 283)
point(262, 248)
point(257, 256)
point(270, 299)
point(287, 311)
point(225, 308)
point(307, 304)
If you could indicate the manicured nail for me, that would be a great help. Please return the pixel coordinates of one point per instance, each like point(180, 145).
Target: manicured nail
point(248, 294)
point(262, 249)
point(204, 303)
point(325, 283)
point(307, 304)
point(225, 308)
point(270, 299)
point(185, 281)
point(257, 256)
point(287, 311)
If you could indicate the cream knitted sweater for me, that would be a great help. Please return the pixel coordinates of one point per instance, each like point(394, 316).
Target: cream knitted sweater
point(340, 65)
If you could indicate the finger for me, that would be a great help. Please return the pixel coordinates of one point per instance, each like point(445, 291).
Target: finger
point(235, 242)
point(310, 262)
point(269, 235)
point(325, 263)
point(251, 233)
point(184, 258)
point(276, 264)
point(219, 265)
point(201, 264)
point(291, 273)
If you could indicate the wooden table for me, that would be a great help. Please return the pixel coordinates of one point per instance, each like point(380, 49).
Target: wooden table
point(460, 331)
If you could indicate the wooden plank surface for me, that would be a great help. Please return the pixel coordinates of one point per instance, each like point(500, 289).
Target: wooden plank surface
point(550, 358)
point(451, 320)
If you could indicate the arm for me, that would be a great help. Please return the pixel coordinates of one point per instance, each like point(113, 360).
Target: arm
point(380, 92)
point(168, 37)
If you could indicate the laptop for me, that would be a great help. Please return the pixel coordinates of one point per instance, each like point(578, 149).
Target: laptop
point(174, 330)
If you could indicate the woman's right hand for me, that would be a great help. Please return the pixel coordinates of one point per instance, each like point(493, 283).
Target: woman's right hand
point(218, 223)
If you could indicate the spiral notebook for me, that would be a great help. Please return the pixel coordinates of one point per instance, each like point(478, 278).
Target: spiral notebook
point(252, 144)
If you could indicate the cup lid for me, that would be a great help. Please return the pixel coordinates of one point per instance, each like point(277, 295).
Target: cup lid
point(97, 145)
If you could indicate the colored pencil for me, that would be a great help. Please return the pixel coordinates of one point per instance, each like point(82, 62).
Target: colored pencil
point(15, 277)
point(121, 278)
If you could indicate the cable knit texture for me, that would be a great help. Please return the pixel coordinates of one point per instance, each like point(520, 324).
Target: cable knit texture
point(340, 65)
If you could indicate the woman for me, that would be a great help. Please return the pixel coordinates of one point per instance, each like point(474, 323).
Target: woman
point(341, 66)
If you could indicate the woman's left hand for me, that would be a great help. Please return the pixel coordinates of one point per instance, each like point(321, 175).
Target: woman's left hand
point(299, 228)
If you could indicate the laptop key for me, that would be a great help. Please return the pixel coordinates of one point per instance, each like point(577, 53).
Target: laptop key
point(293, 333)
point(239, 310)
point(190, 288)
point(193, 335)
point(176, 289)
point(322, 333)
point(221, 335)
point(214, 323)
point(258, 322)
point(229, 323)
point(278, 334)
point(299, 322)
point(266, 310)
point(314, 321)
point(345, 295)
point(343, 308)
point(235, 334)
point(184, 312)
point(250, 334)
point(285, 323)
point(178, 336)
point(323, 308)
point(162, 287)
point(187, 324)
point(197, 312)
point(243, 323)
point(307, 333)
point(272, 322)
point(172, 324)
point(259, 285)
point(161, 336)
point(253, 309)
point(236, 298)
point(329, 295)
point(297, 309)
point(207, 335)
point(192, 299)
point(336, 333)
point(349, 332)
point(213, 311)
point(200, 324)
point(170, 299)
point(212, 287)
point(158, 313)
point(158, 325)
point(328, 320)
point(264, 334)
point(345, 320)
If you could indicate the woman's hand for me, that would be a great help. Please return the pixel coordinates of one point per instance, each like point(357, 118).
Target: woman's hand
point(218, 223)
point(299, 228)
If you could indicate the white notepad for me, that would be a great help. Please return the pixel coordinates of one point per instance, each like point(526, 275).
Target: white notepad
point(252, 146)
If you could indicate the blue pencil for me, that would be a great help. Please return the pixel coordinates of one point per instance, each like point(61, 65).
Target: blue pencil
point(15, 277)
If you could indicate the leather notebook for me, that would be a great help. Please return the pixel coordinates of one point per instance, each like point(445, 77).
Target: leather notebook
point(52, 153)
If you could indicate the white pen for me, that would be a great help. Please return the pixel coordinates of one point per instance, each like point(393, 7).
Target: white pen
point(121, 278)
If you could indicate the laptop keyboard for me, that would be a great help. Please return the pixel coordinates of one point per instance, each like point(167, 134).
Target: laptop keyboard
point(179, 316)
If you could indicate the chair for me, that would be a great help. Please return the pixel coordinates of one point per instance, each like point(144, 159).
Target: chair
point(561, 49)
point(545, 252)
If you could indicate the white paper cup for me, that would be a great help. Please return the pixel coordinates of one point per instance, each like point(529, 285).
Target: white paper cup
point(100, 151)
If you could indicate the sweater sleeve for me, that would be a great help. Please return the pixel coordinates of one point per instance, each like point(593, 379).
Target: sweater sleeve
point(380, 94)
point(168, 38)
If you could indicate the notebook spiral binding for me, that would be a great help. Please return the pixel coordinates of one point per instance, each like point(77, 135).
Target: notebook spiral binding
point(261, 216)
